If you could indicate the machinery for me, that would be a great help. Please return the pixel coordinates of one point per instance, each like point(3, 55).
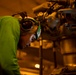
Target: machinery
point(59, 20)
point(67, 36)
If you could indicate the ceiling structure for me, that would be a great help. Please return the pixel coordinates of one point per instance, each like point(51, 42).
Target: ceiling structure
point(10, 7)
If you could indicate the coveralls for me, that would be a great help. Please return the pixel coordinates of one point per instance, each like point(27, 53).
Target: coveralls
point(9, 37)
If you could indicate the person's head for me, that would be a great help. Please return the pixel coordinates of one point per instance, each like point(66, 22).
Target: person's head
point(28, 28)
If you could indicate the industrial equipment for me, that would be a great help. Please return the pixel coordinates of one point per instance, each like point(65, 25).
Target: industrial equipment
point(59, 20)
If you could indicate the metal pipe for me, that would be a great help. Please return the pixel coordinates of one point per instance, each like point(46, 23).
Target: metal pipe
point(41, 57)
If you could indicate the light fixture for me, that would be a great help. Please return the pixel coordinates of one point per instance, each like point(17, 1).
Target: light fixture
point(37, 66)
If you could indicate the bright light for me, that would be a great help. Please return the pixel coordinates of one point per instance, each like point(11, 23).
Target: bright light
point(27, 71)
point(74, 65)
point(46, 44)
point(37, 66)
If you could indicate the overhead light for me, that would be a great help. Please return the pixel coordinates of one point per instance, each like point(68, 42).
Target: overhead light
point(37, 66)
